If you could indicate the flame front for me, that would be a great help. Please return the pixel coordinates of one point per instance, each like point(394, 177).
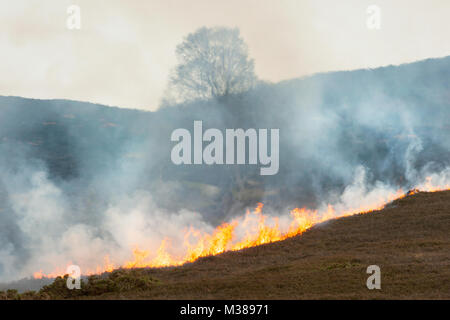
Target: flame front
point(256, 227)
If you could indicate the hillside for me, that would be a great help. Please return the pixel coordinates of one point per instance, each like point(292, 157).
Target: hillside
point(409, 240)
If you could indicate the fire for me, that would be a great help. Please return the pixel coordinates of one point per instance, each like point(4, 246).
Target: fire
point(303, 219)
point(429, 186)
point(208, 245)
point(141, 258)
point(261, 233)
point(258, 229)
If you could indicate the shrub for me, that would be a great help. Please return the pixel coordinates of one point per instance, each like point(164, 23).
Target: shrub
point(12, 294)
point(120, 280)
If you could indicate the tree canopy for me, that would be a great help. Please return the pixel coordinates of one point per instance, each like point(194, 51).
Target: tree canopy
point(212, 63)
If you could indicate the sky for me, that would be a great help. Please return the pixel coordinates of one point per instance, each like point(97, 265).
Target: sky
point(125, 49)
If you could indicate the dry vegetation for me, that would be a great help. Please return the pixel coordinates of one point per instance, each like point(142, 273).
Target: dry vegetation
point(409, 240)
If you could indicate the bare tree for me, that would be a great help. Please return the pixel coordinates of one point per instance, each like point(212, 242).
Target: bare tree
point(212, 63)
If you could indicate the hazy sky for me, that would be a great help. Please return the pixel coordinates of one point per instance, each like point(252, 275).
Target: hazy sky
point(125, 49)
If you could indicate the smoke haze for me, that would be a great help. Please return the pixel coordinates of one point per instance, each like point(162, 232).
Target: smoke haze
point(80, 181)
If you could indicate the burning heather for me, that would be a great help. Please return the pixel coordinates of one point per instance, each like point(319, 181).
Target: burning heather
point(256, 228)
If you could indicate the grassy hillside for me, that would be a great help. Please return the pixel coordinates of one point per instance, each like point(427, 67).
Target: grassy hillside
point(409, 240)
